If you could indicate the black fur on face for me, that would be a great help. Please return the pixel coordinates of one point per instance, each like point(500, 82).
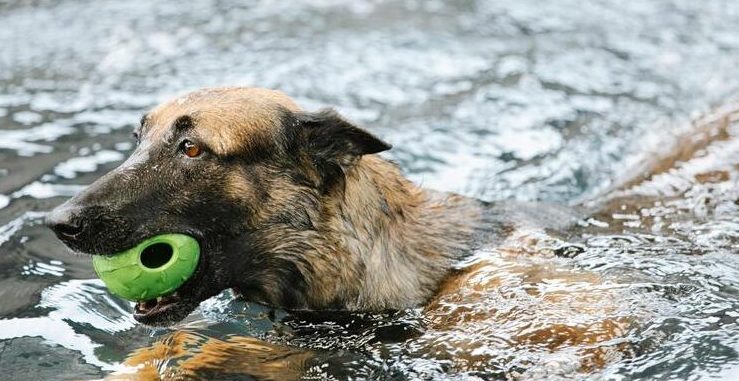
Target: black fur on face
point(238, 205)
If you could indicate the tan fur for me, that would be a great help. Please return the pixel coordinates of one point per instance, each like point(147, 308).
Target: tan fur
point(229, 119)
point(688, 144)
point(382, 243)
point(402, 236)
point(536, 305)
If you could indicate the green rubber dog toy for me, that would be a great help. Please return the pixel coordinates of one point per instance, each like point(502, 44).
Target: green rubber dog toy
point(154, 267)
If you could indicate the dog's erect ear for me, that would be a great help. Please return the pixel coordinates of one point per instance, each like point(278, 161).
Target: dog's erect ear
point(327, 136)
point(332, 143)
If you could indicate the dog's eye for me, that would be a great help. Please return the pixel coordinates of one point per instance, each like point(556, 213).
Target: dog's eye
point(136, 137)
point(190, 149)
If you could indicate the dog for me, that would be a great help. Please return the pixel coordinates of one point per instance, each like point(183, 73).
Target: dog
point(292, 209)
point(295, 210)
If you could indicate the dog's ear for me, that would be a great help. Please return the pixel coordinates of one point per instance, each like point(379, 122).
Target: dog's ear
point(331, 142)
point(326, 136)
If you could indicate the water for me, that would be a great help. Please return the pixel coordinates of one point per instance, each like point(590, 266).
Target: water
point(550, 101)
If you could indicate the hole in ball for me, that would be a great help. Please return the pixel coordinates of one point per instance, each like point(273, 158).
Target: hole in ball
point(156, 255)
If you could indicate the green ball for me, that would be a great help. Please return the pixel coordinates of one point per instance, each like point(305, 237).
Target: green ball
point(155, 267)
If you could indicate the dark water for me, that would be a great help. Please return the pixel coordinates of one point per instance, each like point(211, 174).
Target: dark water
point(529, 100)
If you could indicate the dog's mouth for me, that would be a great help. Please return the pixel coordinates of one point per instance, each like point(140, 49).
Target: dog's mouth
point(175, 306)
point(166, 310)
point(153, 308)
point(171, 308)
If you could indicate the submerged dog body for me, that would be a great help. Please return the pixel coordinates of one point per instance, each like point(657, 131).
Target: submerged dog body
point(292, 209)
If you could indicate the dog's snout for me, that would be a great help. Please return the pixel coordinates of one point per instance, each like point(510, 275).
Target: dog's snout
point(66, 222)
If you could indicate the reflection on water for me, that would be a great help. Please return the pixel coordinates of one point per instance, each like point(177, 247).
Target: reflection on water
point(185, 354)
point(554, 101)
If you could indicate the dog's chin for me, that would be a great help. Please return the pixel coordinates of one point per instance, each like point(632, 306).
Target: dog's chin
point(164, 311)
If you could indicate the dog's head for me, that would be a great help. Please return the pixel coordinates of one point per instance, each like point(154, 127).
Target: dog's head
point(234, 168)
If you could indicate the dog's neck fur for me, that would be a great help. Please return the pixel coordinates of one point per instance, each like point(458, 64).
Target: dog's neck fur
point(389, 242)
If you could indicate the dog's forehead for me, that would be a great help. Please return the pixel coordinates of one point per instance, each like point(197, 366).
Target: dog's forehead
point(227, 119)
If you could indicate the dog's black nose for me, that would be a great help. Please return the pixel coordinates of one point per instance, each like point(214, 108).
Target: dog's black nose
point(65, 221)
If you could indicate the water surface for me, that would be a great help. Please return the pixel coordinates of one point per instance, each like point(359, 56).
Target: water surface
point(529, 100)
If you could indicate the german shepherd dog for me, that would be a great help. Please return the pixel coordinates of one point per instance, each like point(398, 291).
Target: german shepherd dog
point(295, 210)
